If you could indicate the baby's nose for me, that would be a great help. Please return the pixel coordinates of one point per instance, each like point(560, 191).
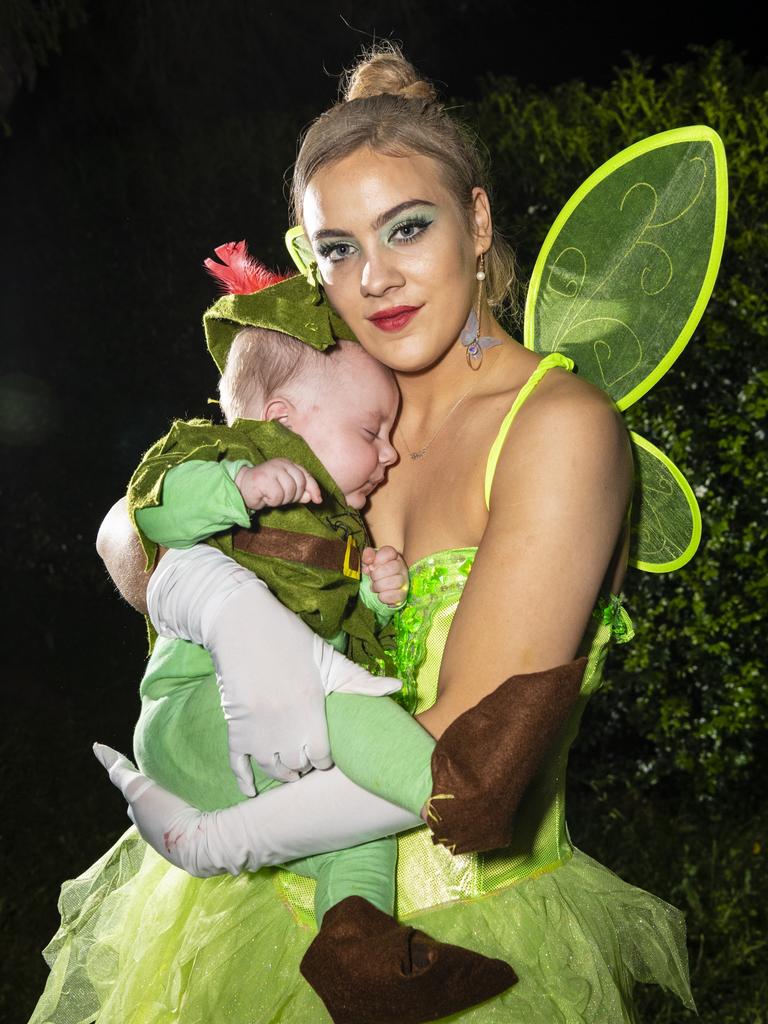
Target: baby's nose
point(387, 455)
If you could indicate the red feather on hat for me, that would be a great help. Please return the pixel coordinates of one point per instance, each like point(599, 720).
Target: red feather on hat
point(239, 273)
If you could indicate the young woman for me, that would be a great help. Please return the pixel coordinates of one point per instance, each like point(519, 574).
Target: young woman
point(509, 467)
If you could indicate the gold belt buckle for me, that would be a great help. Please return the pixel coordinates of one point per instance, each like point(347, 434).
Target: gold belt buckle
point(352, 553)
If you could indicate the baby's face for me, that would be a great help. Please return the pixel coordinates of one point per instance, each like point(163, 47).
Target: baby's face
point(346, 420)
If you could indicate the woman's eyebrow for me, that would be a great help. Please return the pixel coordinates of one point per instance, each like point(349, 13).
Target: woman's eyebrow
point(380, 221)
point(388, 215)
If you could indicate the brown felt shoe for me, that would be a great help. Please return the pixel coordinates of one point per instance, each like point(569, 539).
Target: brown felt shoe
point(368, 969)
point(484, 760)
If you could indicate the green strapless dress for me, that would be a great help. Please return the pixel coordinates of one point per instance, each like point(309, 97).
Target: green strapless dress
point(143, 943)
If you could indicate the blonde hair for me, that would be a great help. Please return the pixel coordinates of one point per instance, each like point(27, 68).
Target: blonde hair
point(388, 107)
point(262, 363)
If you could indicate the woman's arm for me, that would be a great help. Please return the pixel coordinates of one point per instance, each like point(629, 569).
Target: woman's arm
point(557, 512)
point(120, 550)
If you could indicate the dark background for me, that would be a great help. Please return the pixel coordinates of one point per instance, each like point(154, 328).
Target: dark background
point(137, 138)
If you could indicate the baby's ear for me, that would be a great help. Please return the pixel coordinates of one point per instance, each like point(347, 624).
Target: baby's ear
point(280, 409)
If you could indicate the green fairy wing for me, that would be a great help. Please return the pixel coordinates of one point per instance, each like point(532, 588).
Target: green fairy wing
point(666, 522)
point(619, 286)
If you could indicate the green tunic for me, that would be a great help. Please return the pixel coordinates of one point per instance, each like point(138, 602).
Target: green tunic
point(325, 599)
point(180, 738)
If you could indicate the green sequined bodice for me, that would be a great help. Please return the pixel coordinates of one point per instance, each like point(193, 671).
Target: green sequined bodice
point(428, 874)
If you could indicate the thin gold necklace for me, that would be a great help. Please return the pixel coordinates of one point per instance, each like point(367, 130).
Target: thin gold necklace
point(421, 452)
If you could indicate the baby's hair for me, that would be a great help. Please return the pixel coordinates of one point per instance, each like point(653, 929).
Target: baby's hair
point(262, 363)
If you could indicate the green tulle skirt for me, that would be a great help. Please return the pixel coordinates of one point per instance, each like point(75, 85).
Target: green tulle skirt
point(143, 943)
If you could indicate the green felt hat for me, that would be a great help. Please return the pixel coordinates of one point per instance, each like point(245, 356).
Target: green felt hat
point(292, 307)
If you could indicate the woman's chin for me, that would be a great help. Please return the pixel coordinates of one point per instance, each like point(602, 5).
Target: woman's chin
point(404, 353)
point(406, 361)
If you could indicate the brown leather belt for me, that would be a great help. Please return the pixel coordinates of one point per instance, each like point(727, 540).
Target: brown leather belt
point(319, 552)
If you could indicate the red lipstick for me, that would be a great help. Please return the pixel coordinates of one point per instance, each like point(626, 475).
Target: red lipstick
point(393, 319)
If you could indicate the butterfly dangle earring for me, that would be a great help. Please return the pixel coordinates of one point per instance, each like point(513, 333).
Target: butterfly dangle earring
point(470, 336)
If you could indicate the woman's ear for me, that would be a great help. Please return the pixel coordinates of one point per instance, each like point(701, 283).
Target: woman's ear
point(482, 222)
point(280, 409)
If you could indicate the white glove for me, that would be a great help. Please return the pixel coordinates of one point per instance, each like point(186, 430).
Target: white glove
point(273, 672)
point(321, 812)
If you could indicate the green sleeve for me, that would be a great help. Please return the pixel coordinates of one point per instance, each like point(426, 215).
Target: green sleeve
point(198, 499)
point(370, 599)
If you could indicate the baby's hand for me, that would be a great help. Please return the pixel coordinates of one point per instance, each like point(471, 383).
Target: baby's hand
point(388, 572)
point(276, 482)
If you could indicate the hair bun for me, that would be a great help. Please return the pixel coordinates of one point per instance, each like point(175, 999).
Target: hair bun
point(385, 70)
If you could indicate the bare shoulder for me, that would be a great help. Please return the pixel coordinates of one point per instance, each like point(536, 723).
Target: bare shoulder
point(564, 399)
point(572, 412)
point(570, 429)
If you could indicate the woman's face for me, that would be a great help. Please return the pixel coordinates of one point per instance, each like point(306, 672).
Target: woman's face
point(396, 254)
